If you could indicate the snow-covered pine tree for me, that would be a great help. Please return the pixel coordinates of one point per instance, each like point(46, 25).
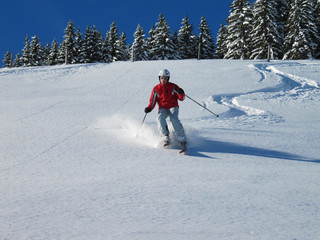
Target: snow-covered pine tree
point(77, 46)
point(113, 38)
point(68, 44)
point(176, 44)
point(239, 25)
point(150, 42)
point(139, 47)
point(106, 49)
point(317, 22)
point(206, 49)
point(36, 52)
point(62, 53)
point(313, 33)
point(7, 60)
point(314, 30)
point(97, 45)
point(162, 46)
point(221, 49)
point(86, 51)
point(265, 33)
point(25, 58)
point(302, 34)
point(46, 53)
point(187, 40)
point(52, 58)
point(82, 51)
point(17, 61)
point(282, 8)
point(122, 48)
point(92, 44)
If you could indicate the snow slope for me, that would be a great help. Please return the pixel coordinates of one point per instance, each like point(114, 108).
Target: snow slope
point(75, 162)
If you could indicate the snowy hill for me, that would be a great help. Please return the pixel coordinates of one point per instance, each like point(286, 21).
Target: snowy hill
point(76, 164)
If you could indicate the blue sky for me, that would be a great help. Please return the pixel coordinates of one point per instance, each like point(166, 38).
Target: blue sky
point(49, 18)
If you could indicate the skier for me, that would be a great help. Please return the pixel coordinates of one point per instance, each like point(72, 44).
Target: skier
point(167, 94)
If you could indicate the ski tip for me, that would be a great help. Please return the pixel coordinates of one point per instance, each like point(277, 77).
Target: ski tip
point(183, 152)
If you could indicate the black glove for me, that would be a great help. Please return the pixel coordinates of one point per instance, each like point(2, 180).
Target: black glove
point(147, 110)
point(180, 90)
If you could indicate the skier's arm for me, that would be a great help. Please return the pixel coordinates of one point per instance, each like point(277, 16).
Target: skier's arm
point(153, 101)
point(180, 93)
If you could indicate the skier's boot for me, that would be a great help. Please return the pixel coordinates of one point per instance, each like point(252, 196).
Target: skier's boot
point(166, 141)
point(183, 147)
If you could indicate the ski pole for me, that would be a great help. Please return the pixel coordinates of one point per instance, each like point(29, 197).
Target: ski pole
point(144, 119)
point(202, 106)
point(139, 130)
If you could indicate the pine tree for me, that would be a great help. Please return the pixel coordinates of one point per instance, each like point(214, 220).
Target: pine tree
point(46, 53)
point(85, 51)
point(77, 46)
point(17, 61)
point(106, 49)
point(62, 53)
point(175, 42)
point(162, 45)
point(52, 58)
point(36, 52)
point(150, 42)
point(97, 45)
point(317, 22)
point(311, 26)
point(206, 47)
point(67, 45)
point(7, 60)
point(139, 47)
point(122, 48)
point(26, 58)
point(187, 40)
point(302, 34)
point(265, 35)
point(239, 29)
point(91, 48)
point(221, 49)
point(113, 38)
point(282, 8)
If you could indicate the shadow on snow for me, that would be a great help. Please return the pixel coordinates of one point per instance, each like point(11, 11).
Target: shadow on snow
point(211, 146)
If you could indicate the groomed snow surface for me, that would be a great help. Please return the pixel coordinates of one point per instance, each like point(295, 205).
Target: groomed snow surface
point(75, 162)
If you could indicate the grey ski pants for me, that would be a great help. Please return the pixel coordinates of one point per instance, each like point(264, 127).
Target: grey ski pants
point(172, 113)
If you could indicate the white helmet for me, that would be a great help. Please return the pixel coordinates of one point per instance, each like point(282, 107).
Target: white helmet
point(164, 72)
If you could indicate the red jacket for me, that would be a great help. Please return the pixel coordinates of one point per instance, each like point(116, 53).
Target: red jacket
point(165, 95)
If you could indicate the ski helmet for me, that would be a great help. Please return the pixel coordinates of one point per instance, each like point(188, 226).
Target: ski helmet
point(164, 72)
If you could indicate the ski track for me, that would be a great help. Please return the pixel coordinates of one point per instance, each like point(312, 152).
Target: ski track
point(290, 85)
point(135, 94)
point(62, 73)
point(58, 73)
point(46, 150)
point(106, 85)
point(39, 112)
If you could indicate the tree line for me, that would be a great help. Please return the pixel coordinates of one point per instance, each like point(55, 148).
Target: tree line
point(278, 29)
point(92, 47)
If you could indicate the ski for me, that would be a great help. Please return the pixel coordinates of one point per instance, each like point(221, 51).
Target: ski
point(184, 148)
point(183, 151)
